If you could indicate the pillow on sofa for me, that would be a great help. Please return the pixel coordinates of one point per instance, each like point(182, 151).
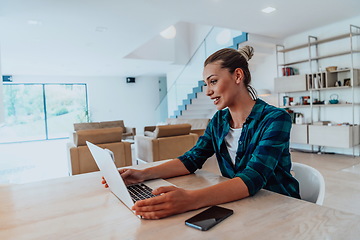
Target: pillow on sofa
point(200, 123)
point(172, 130)
point(84, 126)
point(98, 136)
point(111, 124)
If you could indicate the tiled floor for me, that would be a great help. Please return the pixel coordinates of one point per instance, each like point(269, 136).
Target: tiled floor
point(34, 161)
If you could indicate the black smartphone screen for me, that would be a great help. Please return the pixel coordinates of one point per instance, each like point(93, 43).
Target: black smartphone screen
point(209, 218)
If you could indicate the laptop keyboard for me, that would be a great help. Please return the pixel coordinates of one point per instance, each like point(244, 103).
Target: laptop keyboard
point(140, 191)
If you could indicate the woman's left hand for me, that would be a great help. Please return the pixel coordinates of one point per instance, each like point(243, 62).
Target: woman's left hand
point(171, 200)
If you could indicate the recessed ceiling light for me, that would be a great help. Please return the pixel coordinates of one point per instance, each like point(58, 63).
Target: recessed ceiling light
point(169, 33)
point(268, 10)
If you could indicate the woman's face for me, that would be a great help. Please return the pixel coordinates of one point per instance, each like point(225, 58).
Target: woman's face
point(221, 85)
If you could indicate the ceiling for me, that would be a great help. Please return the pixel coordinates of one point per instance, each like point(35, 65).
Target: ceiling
point(94, 37)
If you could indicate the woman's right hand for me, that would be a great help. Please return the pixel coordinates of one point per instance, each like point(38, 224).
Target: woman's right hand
point(130, 176)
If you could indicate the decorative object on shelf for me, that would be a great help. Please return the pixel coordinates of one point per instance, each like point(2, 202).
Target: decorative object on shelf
point(331, 68)
point(305, 100)
point(338, 84)
point(299, 118)
point(347, 82)
point(287, 101)
point(334, 99)
point(316, 83)
point(317, 101)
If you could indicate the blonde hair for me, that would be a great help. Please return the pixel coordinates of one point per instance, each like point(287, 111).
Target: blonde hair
point(247, 52)
point(232, 59)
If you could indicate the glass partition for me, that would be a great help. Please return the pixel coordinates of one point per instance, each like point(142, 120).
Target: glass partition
point(191, 73)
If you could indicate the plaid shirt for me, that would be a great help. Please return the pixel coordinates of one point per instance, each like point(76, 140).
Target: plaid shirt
point(262, 158)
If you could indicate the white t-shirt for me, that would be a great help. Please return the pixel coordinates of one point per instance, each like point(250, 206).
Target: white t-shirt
point(232, 142)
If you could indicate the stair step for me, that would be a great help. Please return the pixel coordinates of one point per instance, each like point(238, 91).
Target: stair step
point(196, 111)
point(202, 95)
point(199, 106)
point(194, 116)
point(202, 101)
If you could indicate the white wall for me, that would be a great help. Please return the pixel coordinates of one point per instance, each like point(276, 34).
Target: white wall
point(111, 98)
point(262, 77)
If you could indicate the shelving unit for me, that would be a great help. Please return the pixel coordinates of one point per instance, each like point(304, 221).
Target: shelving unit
point(317, 84)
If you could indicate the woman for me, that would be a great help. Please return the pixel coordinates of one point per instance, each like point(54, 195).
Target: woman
point(249, 137)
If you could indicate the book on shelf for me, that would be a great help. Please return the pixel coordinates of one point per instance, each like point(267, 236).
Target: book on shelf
point(289, 71)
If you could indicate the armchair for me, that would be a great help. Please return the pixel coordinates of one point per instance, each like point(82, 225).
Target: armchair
point(166, 142)
point(198, 126)
point(128, 132)
point(80, 158)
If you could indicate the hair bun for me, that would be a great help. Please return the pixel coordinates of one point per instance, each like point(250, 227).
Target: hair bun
point(247, 52)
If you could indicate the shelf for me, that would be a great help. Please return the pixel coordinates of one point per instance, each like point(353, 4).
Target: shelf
point(339, 105)
point(315, 83)
point(322, 105)
point(317, 58)
point(334, 55)
point(330, 88)
point(290, 83)
point(334, 136)
point(339, 37)
point(292, 63)
point(296, 106)
point(299, 134)
point(341, 70)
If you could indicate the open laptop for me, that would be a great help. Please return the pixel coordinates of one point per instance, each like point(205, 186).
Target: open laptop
point(127, 194)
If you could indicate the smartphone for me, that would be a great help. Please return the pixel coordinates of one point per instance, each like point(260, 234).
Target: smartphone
point(209, 218)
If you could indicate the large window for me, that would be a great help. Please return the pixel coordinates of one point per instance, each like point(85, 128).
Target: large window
point(42, 111)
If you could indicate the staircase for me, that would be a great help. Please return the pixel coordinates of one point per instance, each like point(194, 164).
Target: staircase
point(197, 104)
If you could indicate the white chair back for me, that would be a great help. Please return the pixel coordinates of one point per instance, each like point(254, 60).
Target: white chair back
point(312, 184)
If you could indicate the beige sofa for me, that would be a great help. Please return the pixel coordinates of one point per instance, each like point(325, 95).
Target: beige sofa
point(80, 158)
point(198, 126)
point(165, 142)
point(128, 132)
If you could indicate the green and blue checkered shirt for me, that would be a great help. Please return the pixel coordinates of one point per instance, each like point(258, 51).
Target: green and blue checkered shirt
point(262, 158)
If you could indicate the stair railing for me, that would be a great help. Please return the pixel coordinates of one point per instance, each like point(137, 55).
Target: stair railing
point(188, 76)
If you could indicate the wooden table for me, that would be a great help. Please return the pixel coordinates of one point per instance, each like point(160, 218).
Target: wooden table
point(78, 207)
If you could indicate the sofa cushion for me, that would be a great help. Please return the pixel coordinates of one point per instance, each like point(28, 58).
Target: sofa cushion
point(200, 123)
point(111, 124)
point(83, 126)
point(172, 130)
point(96, 136)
